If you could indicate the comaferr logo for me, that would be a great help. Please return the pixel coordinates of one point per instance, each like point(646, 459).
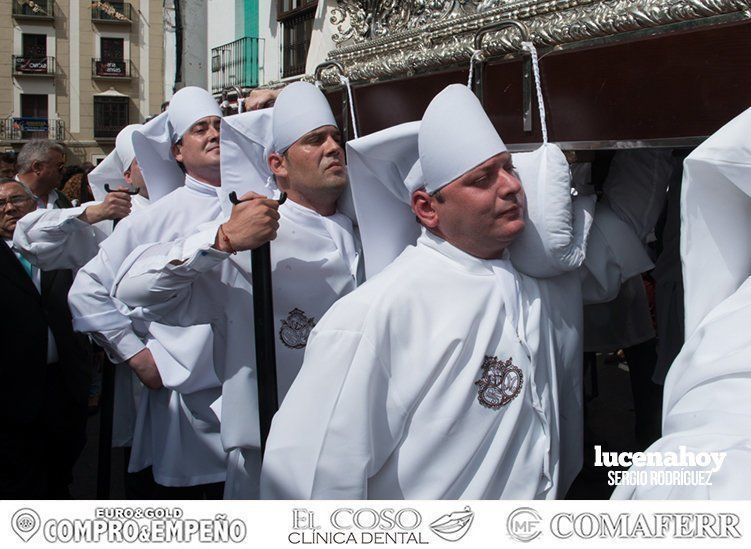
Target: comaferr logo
point(645, 525)
point(524, 524)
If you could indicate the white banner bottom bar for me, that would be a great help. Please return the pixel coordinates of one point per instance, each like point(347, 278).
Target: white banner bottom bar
point(272, 524)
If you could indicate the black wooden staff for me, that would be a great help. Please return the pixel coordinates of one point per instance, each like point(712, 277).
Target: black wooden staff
point(263, 312)
point(106, 408)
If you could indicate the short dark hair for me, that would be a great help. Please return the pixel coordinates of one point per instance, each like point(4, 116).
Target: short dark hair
point(9, 157)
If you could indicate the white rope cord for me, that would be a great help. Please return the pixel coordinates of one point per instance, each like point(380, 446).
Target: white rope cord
point(530, 47)
point(474, 57)
point(345, 80)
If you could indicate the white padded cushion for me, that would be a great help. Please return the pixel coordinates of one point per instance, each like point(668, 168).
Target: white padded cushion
point(636, 187)
point(554, 240)
point(614, 254)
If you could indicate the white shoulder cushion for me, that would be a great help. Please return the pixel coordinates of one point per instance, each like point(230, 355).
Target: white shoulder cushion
point(636, 187)
point(554, 240)
point(614, 254)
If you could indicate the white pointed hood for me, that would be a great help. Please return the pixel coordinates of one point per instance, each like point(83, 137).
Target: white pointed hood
point(110, 170)
point(153, 143)
point(716, 219)
point(300, 108)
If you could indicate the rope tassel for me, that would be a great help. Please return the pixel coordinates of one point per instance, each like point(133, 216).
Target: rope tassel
point(530, 47)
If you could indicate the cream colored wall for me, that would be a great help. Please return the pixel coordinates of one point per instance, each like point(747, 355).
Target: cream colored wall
point(69, 96)
point(6, 51)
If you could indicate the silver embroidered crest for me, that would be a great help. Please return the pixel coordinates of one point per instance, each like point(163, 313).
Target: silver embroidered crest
point(296, 329)
point(500, 383)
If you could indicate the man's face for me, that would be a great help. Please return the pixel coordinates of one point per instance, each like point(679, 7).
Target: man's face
point(15, 204)
point(482, 211)
point(198, 150)
point(7, 169)
point(313, 165)
point(134, 178)
point(50, 171)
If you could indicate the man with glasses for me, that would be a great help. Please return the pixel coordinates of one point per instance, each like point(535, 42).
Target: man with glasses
point(46, 368)
point(40, 167)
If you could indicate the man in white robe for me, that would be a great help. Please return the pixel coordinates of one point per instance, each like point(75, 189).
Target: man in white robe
point(174, 431)
point(438, 377)
point(69, 238)
point(315, 261)
point(706, 406)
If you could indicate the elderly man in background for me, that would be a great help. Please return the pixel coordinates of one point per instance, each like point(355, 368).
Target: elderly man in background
point(46, 366)
point(40, 167)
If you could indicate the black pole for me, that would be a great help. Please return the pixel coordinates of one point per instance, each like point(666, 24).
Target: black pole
point(107, 410)
point(106, 414)
point(263, 312)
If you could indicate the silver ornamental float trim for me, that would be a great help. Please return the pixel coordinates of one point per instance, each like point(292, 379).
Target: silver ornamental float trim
point(403, 37)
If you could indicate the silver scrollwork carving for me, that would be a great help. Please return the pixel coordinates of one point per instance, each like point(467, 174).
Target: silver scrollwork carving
point(401, 37)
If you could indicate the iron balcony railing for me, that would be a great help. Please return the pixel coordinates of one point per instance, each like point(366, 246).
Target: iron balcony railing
point(33, 9)
point(236, 64)
point(25, 128)
point(111, 12)
point(34, 66)
point(105, 68)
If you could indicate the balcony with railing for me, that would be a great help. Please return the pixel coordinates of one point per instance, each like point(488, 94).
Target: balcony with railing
point(105, 69)
point(24, 128)
point(37, 10)
point(235, 64)
point(111, 12)
point(34, 66)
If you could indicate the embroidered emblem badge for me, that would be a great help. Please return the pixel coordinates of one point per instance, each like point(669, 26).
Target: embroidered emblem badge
point(296, 329)
point(500, 383)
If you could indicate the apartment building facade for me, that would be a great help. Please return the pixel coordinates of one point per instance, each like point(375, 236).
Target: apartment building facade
point(78, 71)
point(255, 42)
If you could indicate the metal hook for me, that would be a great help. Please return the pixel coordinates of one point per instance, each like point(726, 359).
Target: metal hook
point(500, 25)
point(325, 64)
point(239, 92)
point(233, 198)
point(131, 191)
point(526, 66)
point(345, 100)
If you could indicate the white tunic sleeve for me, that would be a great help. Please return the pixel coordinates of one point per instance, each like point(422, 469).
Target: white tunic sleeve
point(57, 239)
point(707, 409)
point(165, 282)
point(338, 424)
point(95, 312)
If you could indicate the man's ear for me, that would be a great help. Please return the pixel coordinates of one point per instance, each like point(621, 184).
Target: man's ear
point(177, 151)
point(36, 166)
point(278, 165)
point(423, 206)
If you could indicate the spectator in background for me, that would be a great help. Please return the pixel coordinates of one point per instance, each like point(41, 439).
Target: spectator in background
point(46, 368)
point(71, 187)
point(40, 168)
point(8, 164)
